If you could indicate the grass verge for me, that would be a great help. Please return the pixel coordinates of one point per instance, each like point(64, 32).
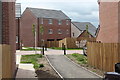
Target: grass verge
point(79, 58)
point(82, 61)
point(30, 49)
point(31, 59)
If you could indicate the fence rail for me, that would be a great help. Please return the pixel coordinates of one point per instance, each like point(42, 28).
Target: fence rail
point(103, 55)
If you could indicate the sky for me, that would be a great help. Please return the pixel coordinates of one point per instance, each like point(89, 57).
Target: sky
point(77, 10)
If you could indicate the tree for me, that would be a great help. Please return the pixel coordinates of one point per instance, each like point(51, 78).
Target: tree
point(35, 36)
point(41, 32)
point(87, 28)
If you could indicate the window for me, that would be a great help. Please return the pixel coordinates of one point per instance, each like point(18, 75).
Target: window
point(59, 31)
point(50, 21)
point(73, 34)
point(50, 31)
point(60, 22)
point(67, 31)
point(41, 20)
point(67, 22)
point(16, 39)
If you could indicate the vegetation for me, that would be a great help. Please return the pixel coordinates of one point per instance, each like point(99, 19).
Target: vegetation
point(41, 65)
point(78, 57)
point(31, 59)
point(60, 48)
point(30, 49)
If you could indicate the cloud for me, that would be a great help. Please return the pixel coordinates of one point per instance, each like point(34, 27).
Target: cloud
point(77, 10)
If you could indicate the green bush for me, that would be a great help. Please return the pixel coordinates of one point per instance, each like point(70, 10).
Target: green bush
point(41, 65)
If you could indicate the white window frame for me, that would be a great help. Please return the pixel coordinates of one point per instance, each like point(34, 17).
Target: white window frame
point(67, 22)
point(59, 31)
point(16, 39)
point(67, 31)
point(42, 21)
point(50, 31)
point(59, 22)
point(50, 21)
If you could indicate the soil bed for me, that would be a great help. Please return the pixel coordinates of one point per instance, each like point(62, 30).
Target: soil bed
point(46, 71)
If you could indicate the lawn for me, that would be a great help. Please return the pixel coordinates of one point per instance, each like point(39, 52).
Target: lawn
point(30, 49)
point(60, 48)
point(31, 59)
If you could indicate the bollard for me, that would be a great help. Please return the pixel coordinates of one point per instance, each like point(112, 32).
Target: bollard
point(64, 50)
point(43, 50)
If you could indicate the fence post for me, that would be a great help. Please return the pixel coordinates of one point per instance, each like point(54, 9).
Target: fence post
point(62, 46)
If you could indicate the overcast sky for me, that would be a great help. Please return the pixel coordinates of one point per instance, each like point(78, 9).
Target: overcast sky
point(77, 10)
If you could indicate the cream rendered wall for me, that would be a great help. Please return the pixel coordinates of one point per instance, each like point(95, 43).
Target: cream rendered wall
point(75, 30)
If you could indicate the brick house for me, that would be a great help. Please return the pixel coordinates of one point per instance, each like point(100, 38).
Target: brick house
point(109, 31)
point(77, 28)
point(7, 29)
point(55, 23)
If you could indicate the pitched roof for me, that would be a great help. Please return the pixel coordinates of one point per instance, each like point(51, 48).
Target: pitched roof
point(47, 13)
point(82, 26)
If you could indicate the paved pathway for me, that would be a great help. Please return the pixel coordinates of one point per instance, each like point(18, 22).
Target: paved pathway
point(67, 69)
point(24, 70)
point(18, 52)
point(49, 52)
point(61, 52)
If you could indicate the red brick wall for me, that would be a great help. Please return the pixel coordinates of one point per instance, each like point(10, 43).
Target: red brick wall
point(109, 26)
point(26, 34)
point(8, 29)
point(55, 28)
point(28, 19)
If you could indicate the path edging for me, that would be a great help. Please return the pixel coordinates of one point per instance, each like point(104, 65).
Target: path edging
point(54, 68)
point(84, 68)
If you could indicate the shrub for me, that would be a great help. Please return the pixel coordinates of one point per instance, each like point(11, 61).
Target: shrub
point(41, 65)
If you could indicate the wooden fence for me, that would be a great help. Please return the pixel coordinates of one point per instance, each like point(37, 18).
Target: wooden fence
point(69, 42)
point(103, 55)
point(86, 38)
point(52, 43)
point(6, 62)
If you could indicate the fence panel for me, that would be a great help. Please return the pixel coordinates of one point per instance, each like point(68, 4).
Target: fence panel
point(7, 62)
point(52, 43)
point(103, 55)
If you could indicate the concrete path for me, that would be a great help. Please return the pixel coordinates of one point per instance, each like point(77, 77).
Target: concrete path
point(67, 69)
point(18, 52)
point(61, 52)
point(49, 52)
point(24, 70)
